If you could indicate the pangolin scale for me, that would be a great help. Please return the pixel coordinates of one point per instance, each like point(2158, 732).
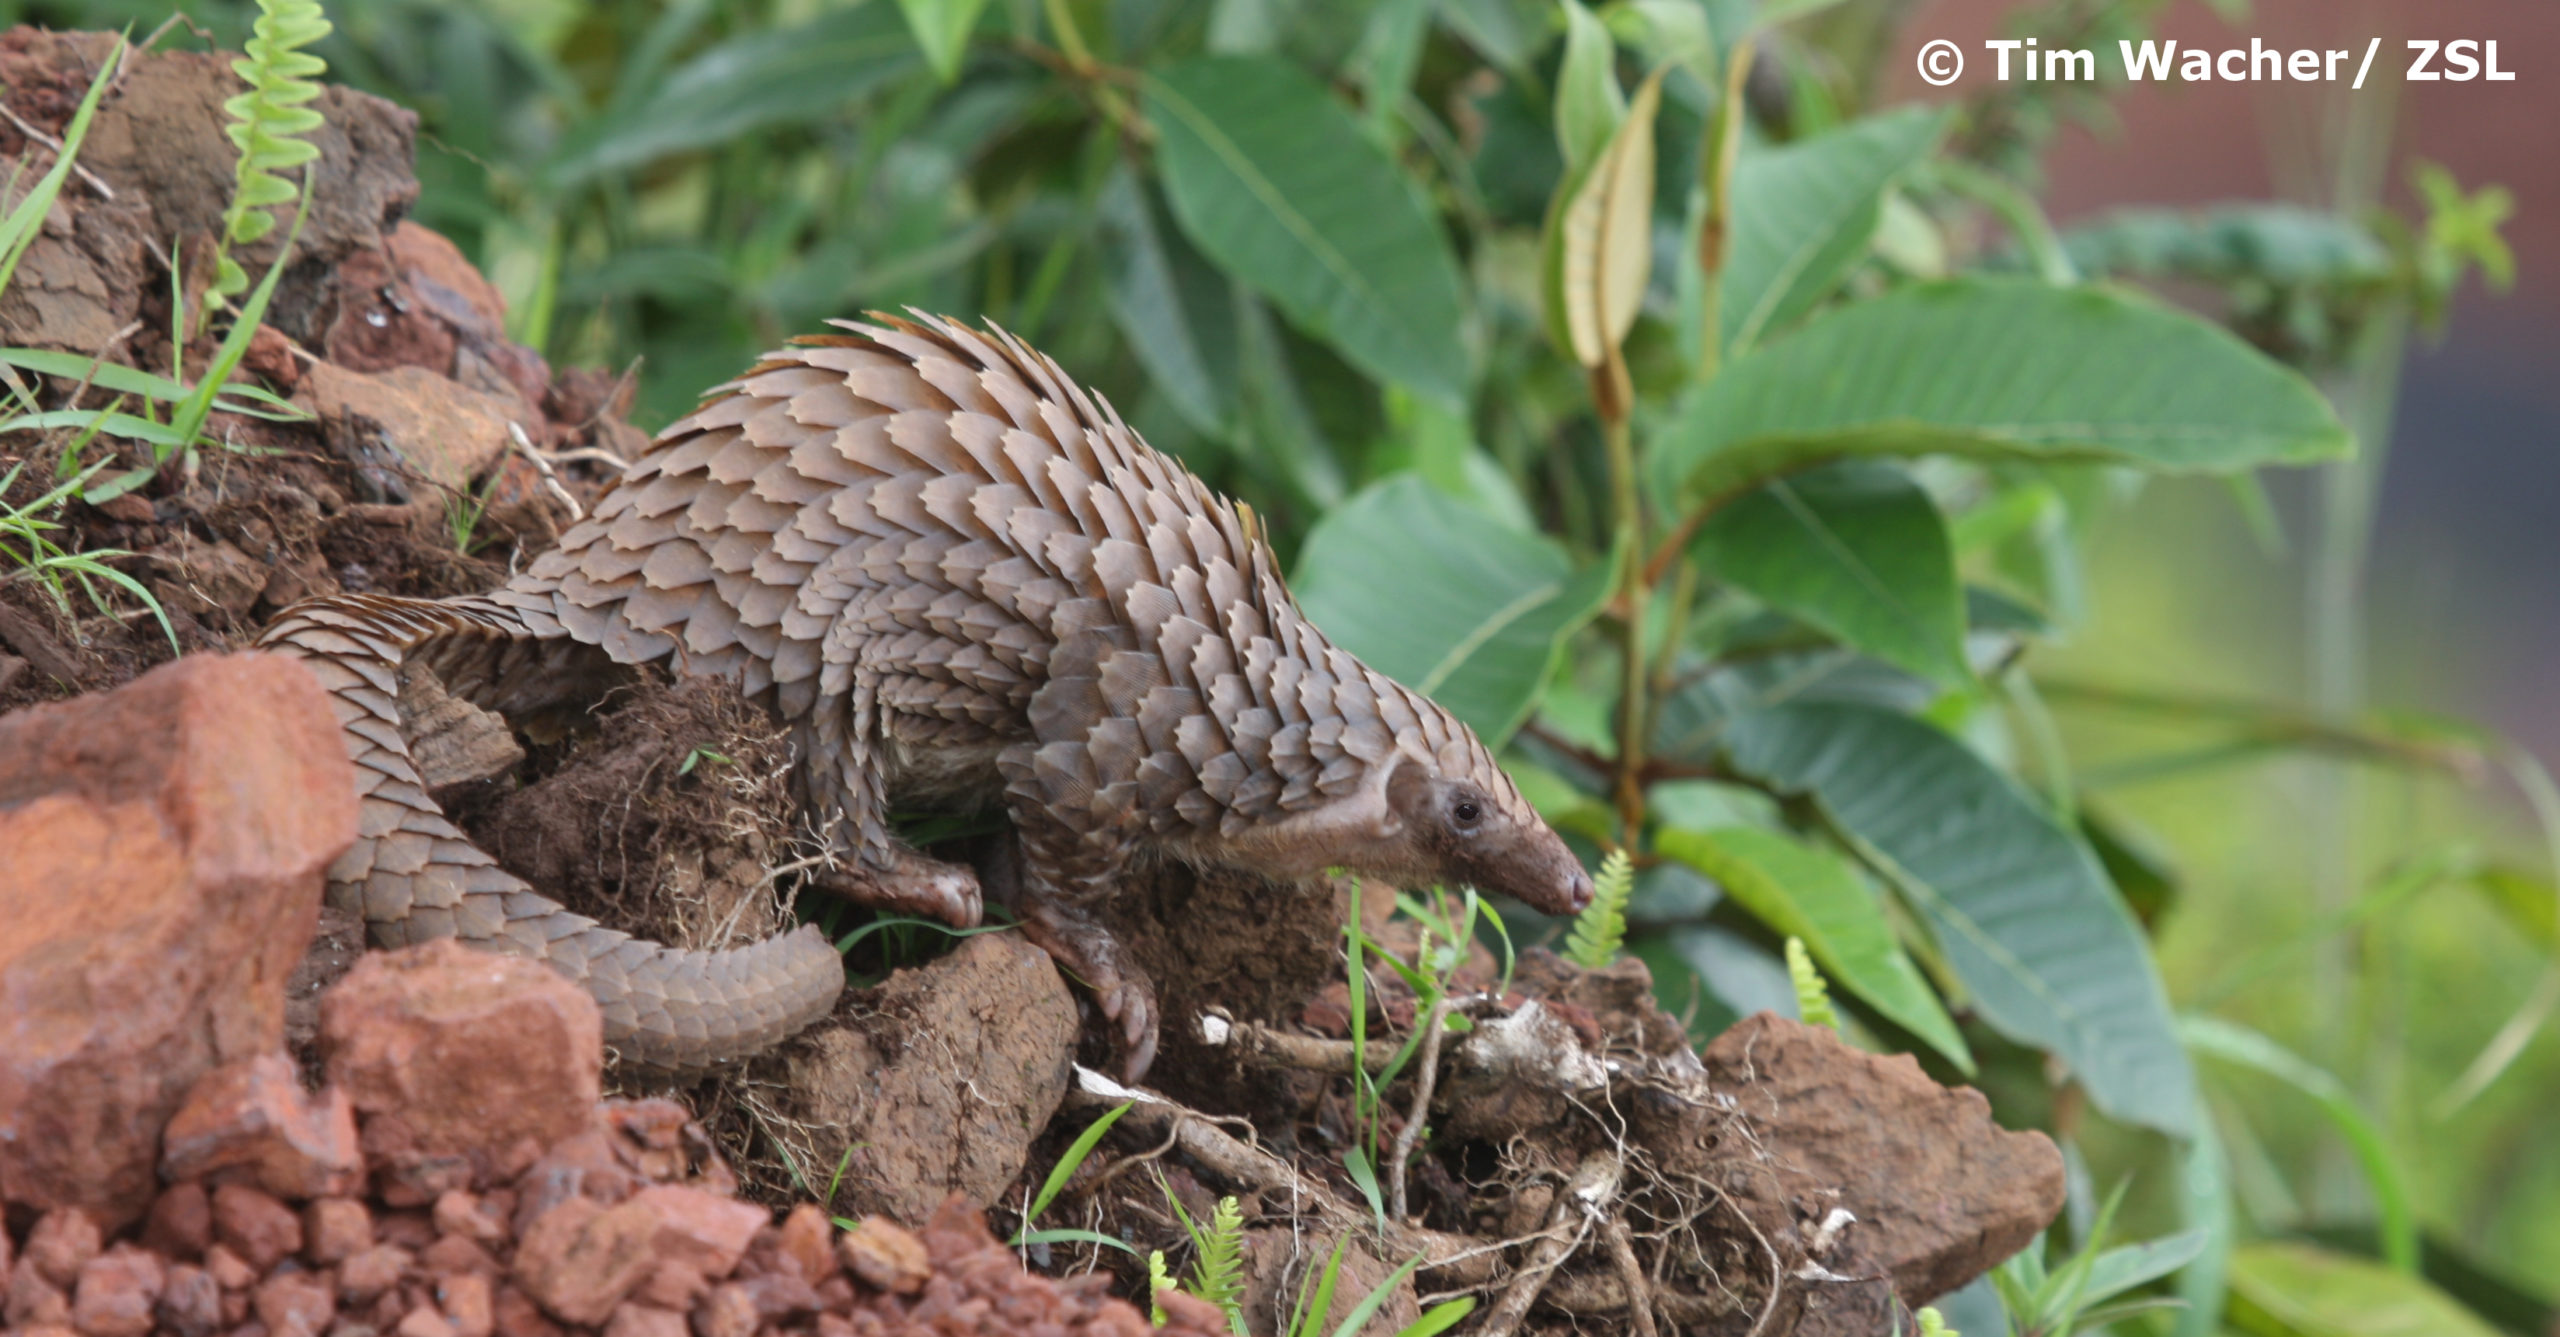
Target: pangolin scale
point(958, 579)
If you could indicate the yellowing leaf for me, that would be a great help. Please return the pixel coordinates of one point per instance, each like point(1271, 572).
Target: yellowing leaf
point(1608, 235)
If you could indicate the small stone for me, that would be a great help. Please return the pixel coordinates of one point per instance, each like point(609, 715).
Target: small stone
point(728, 1311)
point(424, 1321)
point(701, 1228)
point(468, 1304)
point(460, 1212)
point(474, 1050)
point(455, 1255)
point(519, 1316)
point(579, 1260)
point(190, 1302)
point(886, 1255)
point(261, 1230)
point(63, 1242)
point(116, 1292)
point(335, 1230)
point(807, 1239)
point(181, 1221)
point(254, 1116)
point(832, 1324)
point(33, 1299)
point(673, 1284)
point(642, 1320)
point(294, 1304)
point(230, 1271)
point(369, 1273)
point(779, 1296)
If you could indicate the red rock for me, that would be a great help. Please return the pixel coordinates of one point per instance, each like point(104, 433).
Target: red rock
point(886, 1255)
point(519, 1316)
point(672, 1285)
point(294, 1304)
point(117, 1292)
point(424, 1321)
point(63, 1242)
point(580, 1260)
point(699, 1228)
point(190, 1302)
point(437, 431)
point(261, 1230)
point(779, 1296)
point(728, 1311)
point(368, 1274)
point(254, 1117)
point(33, 1299)
point(474, 1050)
point(194, 811)
point(468, 1305)
point(429, 262)
point(456, 1255)
point(459, 1212)
point(807, 1240)
point(181, 1221)
point(1181, 1308)
point(270, 358)
point(335, 1230)
point(640, 1320)
point(229, 1270)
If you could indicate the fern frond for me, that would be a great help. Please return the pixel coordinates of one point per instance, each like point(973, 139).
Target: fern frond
point(268, 124)
point(1217, 1273)
point(1813, 994)
point(1158, 1282)
point(1601, 929)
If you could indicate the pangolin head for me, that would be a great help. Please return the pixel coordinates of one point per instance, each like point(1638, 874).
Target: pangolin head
point(1464, 822)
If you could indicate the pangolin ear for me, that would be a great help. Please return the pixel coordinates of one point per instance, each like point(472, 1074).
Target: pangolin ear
point(1409, 792)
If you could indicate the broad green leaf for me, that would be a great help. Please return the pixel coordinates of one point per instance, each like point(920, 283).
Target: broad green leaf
point(942, 31)
point(1996, 368)
point(1445, 599)
point(1855, 548)
point(2126, 1266)
point(1390, 49)
point(1689, 722)
point(1272, 178)
point(2234, 1043)
point(1589, 103)
point(1606, 238)
point(2205, 1204)
point(743, 85)
point(1177, 313)
point(2300, 1290)
point(1803, 891)
point(1803, 214)
point(2021, 909)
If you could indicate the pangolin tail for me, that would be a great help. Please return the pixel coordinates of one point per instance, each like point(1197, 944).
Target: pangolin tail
point(414, 875)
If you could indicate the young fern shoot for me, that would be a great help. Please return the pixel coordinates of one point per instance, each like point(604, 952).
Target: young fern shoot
point(269, 124)
point(1813, 993)
point(1601, 929)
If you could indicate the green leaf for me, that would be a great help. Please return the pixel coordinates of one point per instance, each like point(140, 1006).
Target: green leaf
point(1074, 1158)
point(1804, 891)
point(1589, 103)
point(1996, 368)
point(2124, 1267)
point(2298, 1290)
point(1177, 313)
point(2235, 1043)
point(748, 83)
point(942, 31)
point(1272, 178)
point(1803, 214)
point(1445, 599)
point(2022, 911)
point(1856, 549)
point(250, 402)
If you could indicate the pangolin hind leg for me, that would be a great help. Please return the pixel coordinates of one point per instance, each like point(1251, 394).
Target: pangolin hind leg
point(1067, 867)
point(413, 875)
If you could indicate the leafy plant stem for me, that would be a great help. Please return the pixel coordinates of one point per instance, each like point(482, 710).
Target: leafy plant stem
point(1632, 595)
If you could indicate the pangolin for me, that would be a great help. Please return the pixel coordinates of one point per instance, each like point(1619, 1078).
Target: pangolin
point(957, 579)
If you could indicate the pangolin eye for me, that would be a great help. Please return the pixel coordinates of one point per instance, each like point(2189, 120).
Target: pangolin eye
point(1467, 812)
